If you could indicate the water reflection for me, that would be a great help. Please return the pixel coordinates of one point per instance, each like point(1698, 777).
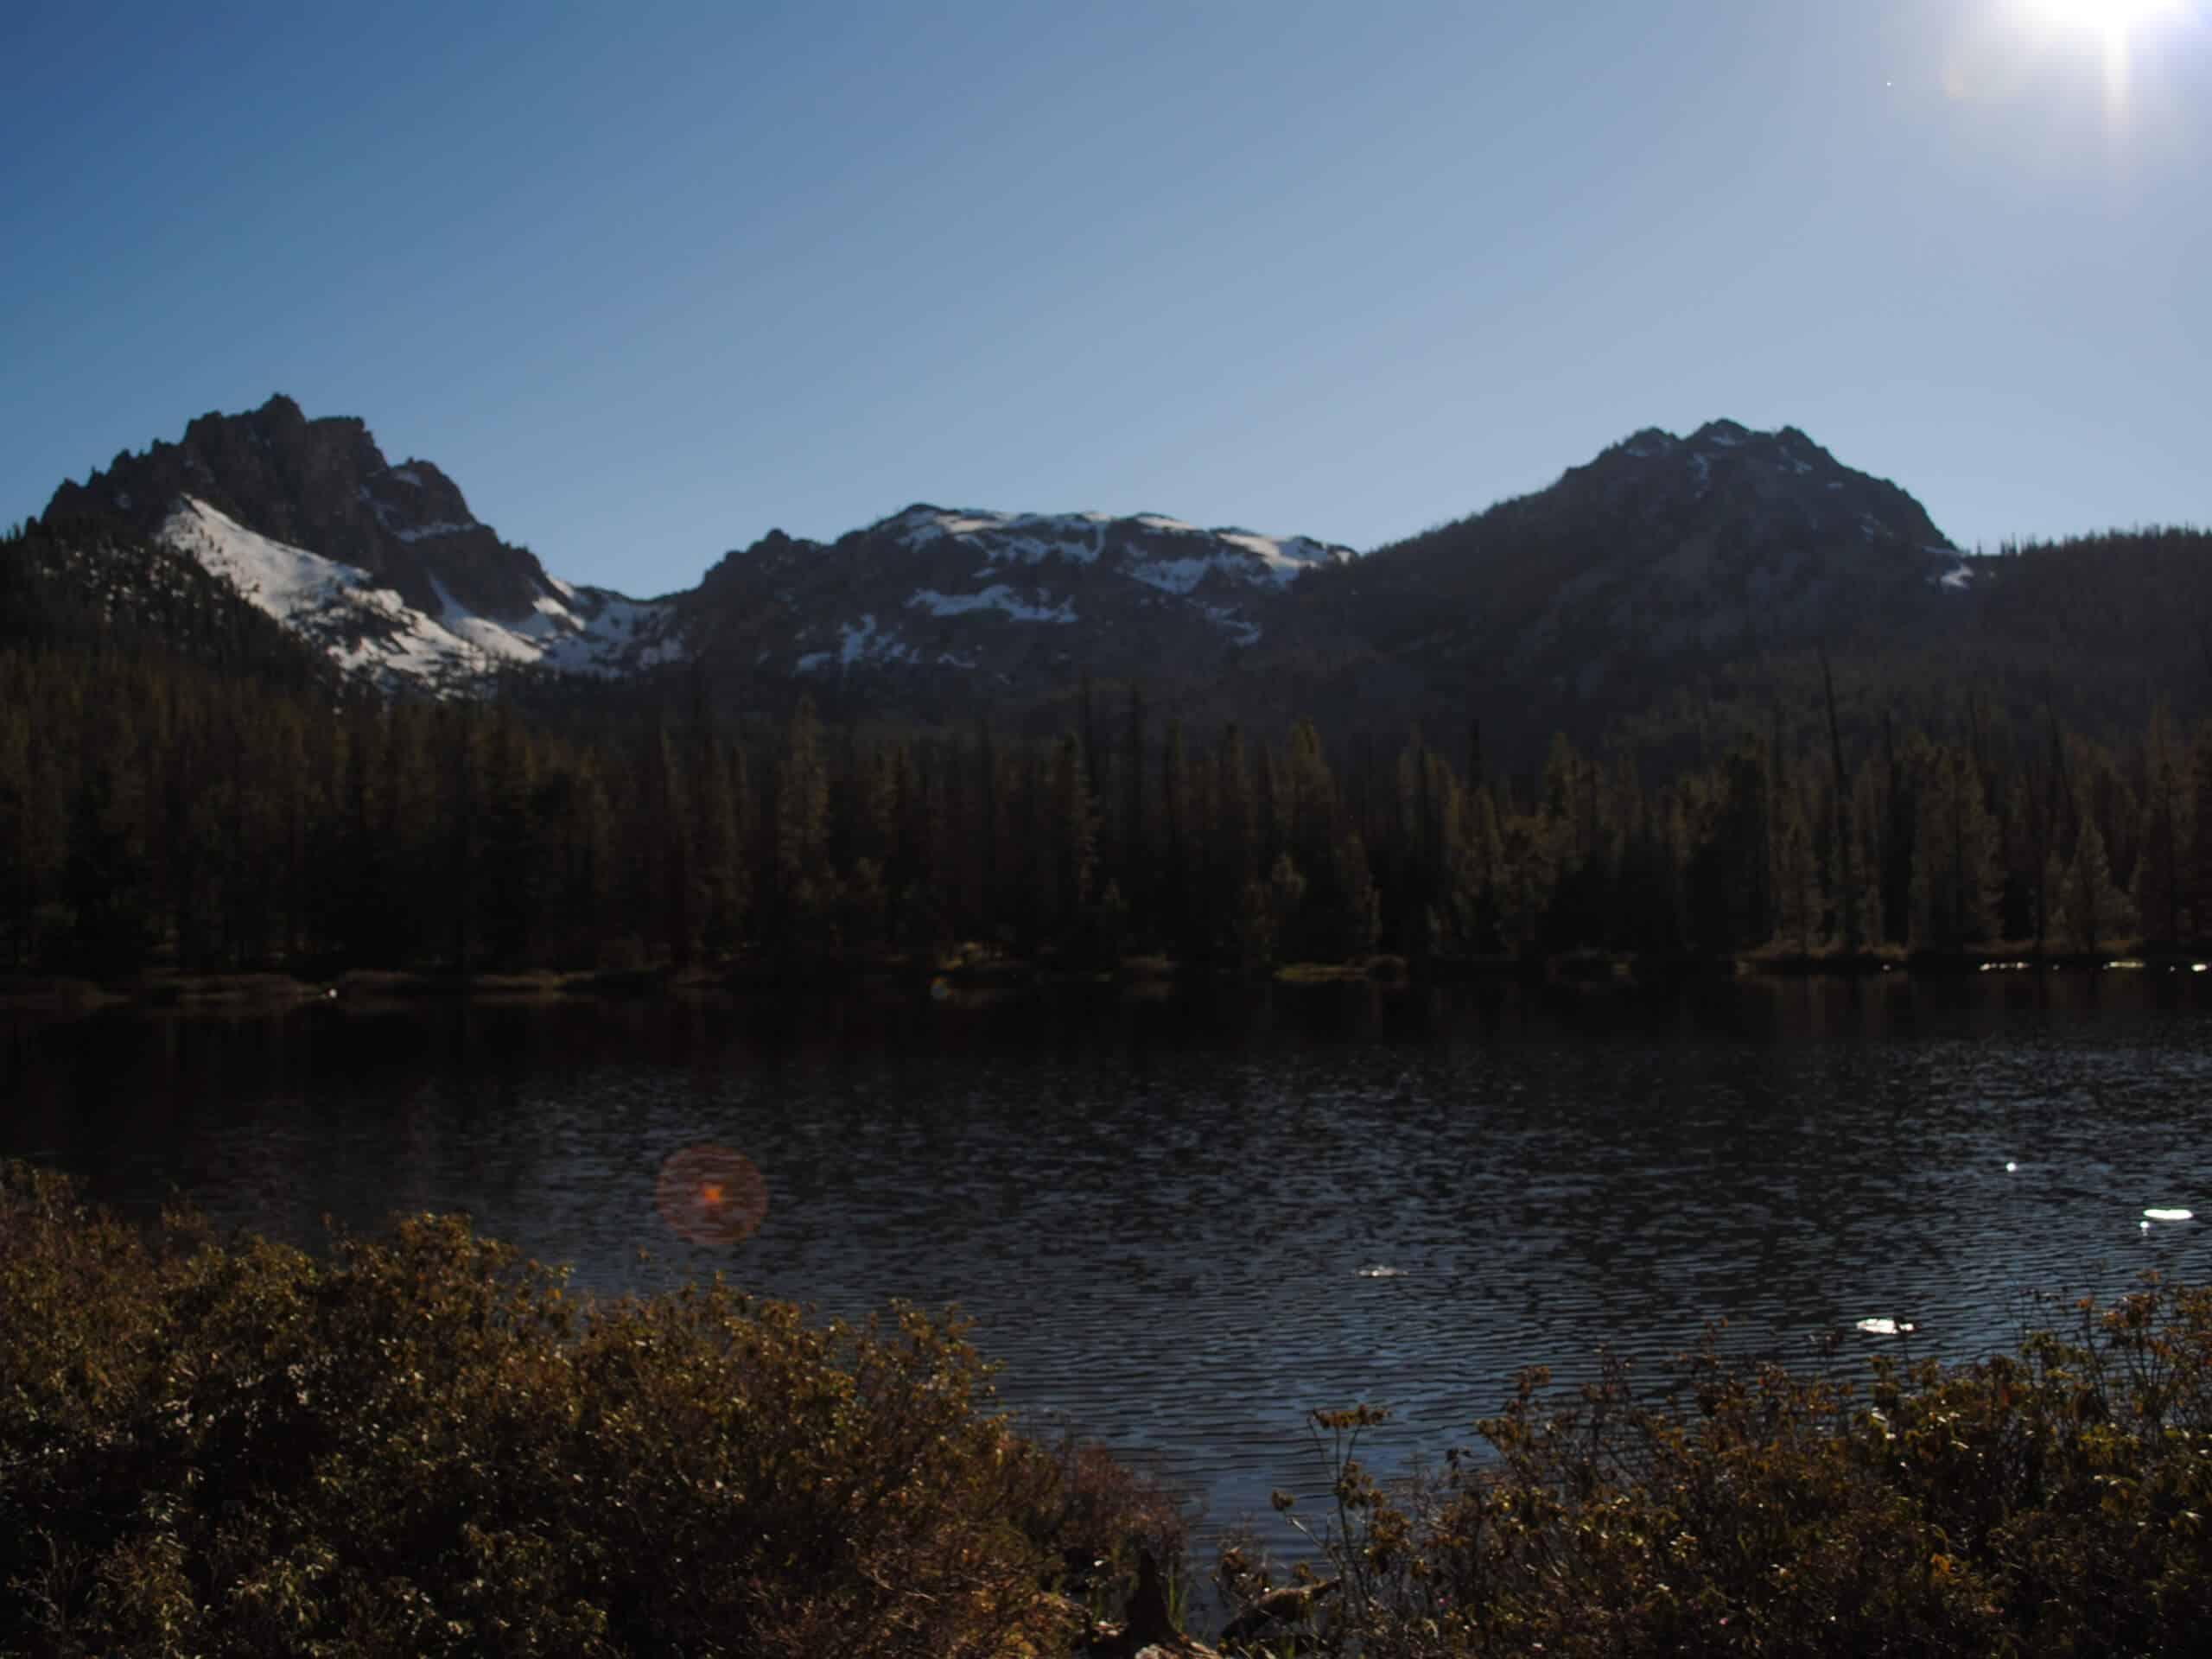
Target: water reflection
point(1182, 1222)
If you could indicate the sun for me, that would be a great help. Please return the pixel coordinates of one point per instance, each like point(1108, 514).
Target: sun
point(2113, 19)
point(2114, 25)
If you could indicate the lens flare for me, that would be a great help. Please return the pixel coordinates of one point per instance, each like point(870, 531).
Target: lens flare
point(710, 1195)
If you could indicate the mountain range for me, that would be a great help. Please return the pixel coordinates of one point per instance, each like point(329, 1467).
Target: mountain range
point(1660, 560)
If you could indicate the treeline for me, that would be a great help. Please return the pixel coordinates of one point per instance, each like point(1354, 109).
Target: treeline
point(159, 814)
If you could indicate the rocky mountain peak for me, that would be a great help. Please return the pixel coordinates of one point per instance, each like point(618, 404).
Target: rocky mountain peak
point(321, 484)
point(1659, 551)
point(1741, 486)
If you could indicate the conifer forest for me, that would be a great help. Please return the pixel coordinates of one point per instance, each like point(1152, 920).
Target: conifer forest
point(159, 814)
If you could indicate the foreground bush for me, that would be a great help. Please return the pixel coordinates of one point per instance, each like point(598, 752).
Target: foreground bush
point(423, 1446)
point(2050, 1502)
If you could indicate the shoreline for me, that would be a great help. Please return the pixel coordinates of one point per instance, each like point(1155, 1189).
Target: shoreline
point(967, 974)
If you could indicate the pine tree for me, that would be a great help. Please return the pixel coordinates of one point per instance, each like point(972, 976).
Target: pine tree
point(1272, 913)
point(805, 908)
point(1236, 864)
point(1312, 798)
point(1954, 855)
point(1181, 844)
point(2196, 877)
point(510, 878)
point(1136, 851)
point(1866, 873)
point(18, 883)
point(105, 884)
point(1796, 878)
point(2092, 909)
point(573, 802)
point(1357, 917)
point(1070, 835)
point(719, 838)
point(1479, 884)
point(2163, 834)
point(980, 840)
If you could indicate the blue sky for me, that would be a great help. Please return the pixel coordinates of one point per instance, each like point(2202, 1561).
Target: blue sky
point(649, 280)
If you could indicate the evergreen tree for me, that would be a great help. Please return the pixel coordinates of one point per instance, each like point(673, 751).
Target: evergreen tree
point(1070, 833)
point(720, 835)
point(1236, 865)
point(1353, 927)
point(106, 881)
point(1796, 878)
point(1136, 852)
point(1181, 848)
point(2091, 908)
point(1954, 855)
point(801, 919)
point(2196, 879)
point(2163, 835)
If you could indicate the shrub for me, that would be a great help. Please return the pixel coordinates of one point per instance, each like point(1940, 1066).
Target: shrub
point(2049, 1502)
point(424, 1445)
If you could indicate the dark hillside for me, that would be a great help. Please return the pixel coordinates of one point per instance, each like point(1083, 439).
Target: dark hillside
point(91, 583)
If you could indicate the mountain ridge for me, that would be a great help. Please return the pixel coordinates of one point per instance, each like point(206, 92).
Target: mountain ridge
point(1659, 552)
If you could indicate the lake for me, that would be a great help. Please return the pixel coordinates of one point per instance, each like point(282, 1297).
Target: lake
point(1182, 1222)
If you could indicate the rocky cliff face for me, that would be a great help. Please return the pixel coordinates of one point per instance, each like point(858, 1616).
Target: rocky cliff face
point(323, 486)
point(1022, 602)
point(1659, 556)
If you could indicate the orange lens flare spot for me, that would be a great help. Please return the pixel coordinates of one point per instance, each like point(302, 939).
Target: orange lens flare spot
point(710, 1195)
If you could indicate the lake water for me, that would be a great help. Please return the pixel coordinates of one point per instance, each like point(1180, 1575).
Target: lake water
point(1159, 1212)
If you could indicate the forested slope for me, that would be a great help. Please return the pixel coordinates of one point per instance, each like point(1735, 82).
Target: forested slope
point(157, 811)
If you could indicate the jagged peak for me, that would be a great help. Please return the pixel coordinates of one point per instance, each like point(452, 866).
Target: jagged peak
point(1652, 441)
point(1723, 433)
point(1790, 445)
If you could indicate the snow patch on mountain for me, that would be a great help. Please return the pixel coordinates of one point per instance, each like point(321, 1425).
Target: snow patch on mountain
point(1232, 622)
point(420, 532)
point(860, 642)
point(1105, 556)
point(998, 597)
point(285, 582)
point(1240, 556)
point(369, 629)
point(1284, 561)
point(1084, 537)
point(1024, 537)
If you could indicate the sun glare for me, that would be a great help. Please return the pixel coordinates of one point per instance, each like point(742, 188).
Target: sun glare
point(2113, 19)
point(2114, 25)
